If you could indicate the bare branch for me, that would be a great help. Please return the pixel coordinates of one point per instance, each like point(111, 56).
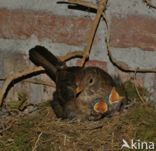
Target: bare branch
point(149, 3)
point(49, 83)
point(101, 7)
point(138, 93)
point(32, 70)
point(36, 143)
point(15, 76)
point(83, 3)
point(117, 63)
point(71, 55)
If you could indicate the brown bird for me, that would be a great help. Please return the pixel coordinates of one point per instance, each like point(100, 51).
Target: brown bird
point(78, 90)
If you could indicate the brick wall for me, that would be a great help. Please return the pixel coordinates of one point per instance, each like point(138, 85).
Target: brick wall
point(24, 24)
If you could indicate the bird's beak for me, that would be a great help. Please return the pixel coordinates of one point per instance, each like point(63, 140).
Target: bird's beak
point(114, 96)
point(78, 90)
point(100, 107)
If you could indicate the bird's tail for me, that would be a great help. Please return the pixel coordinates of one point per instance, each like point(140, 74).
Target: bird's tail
point(41, 56)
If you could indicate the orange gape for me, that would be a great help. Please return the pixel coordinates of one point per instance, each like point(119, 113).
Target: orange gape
point(114, 96)
point(101, 107)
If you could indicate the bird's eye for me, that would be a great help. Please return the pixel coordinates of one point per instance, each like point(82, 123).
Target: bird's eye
point(91, 81)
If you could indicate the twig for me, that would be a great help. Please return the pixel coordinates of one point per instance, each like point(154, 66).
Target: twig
point(112, 141)
point(101, 6)
point(30, 71)
point(14, 76)
point(36, 81)
point(136, 88)
point(41, 82)
point(83, 3)
point(149, 3)
point(65, 140)
point(94, 128)
point(117, 63)
point(36, 143)
point(9, 125)
point(71, 55)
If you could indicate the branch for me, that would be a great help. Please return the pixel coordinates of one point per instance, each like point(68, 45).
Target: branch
point(9, 125)
point(149, 3)
point(36, 81)
point(117, 63)
point(71, 55)
point(32, 70)
point(15, 76)
point(101, 7)
point(36, 143)
point(136, 88)
point(83, 3)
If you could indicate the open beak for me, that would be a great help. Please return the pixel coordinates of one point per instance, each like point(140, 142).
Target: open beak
point(100, 107)
point(114, 96)
point(78, 90)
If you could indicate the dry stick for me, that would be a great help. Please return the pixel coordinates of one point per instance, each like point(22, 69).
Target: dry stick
point(71, 55)
point(136, 88)
point(36, 81)
point(117, 63)
point(9, 126)
point(35, 146)
point(83, 3)
point(41, 82)
point(94, 128)
point(14, 76)
point(149, 3)
point(86, 51)
point(29, 71)
point(112, 141)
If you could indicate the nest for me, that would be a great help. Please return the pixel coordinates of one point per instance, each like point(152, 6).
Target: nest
point(41, 130)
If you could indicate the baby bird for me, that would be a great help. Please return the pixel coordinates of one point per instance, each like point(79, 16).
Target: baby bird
point(108, 105)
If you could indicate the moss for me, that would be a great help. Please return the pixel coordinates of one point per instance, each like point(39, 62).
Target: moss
point(18, 104)
point(131, 91)
point(22, 141)
point(13, 104)
point(147, 122)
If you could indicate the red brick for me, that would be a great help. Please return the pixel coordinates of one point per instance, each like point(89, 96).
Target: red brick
point(134, 31)
point(94, 63)
point(19, 24)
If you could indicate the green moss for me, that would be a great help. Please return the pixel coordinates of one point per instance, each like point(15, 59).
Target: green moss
point(132, 92)
point(18, 104)
point(143, 120)
point(13, 104)
point(23, 142)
